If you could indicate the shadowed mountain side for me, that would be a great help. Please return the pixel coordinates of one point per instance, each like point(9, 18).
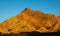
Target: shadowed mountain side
point(34, 33)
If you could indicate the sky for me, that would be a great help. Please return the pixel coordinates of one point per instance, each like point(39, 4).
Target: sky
point(9, 8)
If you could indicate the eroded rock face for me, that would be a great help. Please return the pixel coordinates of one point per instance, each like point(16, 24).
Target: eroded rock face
point(30, 20)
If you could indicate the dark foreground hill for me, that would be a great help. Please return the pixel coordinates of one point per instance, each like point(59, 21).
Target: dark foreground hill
point(34, 33)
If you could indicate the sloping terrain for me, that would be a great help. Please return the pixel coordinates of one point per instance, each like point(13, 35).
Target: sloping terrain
point(31, 20)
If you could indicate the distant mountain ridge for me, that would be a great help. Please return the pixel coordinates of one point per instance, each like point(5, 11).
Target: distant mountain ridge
point(31, 20)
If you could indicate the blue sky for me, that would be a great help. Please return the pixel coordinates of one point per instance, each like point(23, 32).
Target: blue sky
point(9, 8)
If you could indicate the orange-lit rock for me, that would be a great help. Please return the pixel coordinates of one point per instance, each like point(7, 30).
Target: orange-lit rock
point(30, 20)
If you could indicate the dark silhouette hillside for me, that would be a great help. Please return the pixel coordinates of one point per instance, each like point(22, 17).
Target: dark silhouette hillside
point(33, 33)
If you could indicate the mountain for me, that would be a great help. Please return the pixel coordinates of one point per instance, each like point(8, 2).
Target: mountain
point(31, 20)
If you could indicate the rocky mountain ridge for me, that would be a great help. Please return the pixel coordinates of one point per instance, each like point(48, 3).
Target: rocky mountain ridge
point(31, 20)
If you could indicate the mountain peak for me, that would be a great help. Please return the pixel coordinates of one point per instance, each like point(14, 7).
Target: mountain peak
point(27, 9)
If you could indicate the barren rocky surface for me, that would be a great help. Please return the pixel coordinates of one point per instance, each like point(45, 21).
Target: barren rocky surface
point(31, 20)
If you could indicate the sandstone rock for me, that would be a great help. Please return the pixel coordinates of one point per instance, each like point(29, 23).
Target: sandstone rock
point(31, 20)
